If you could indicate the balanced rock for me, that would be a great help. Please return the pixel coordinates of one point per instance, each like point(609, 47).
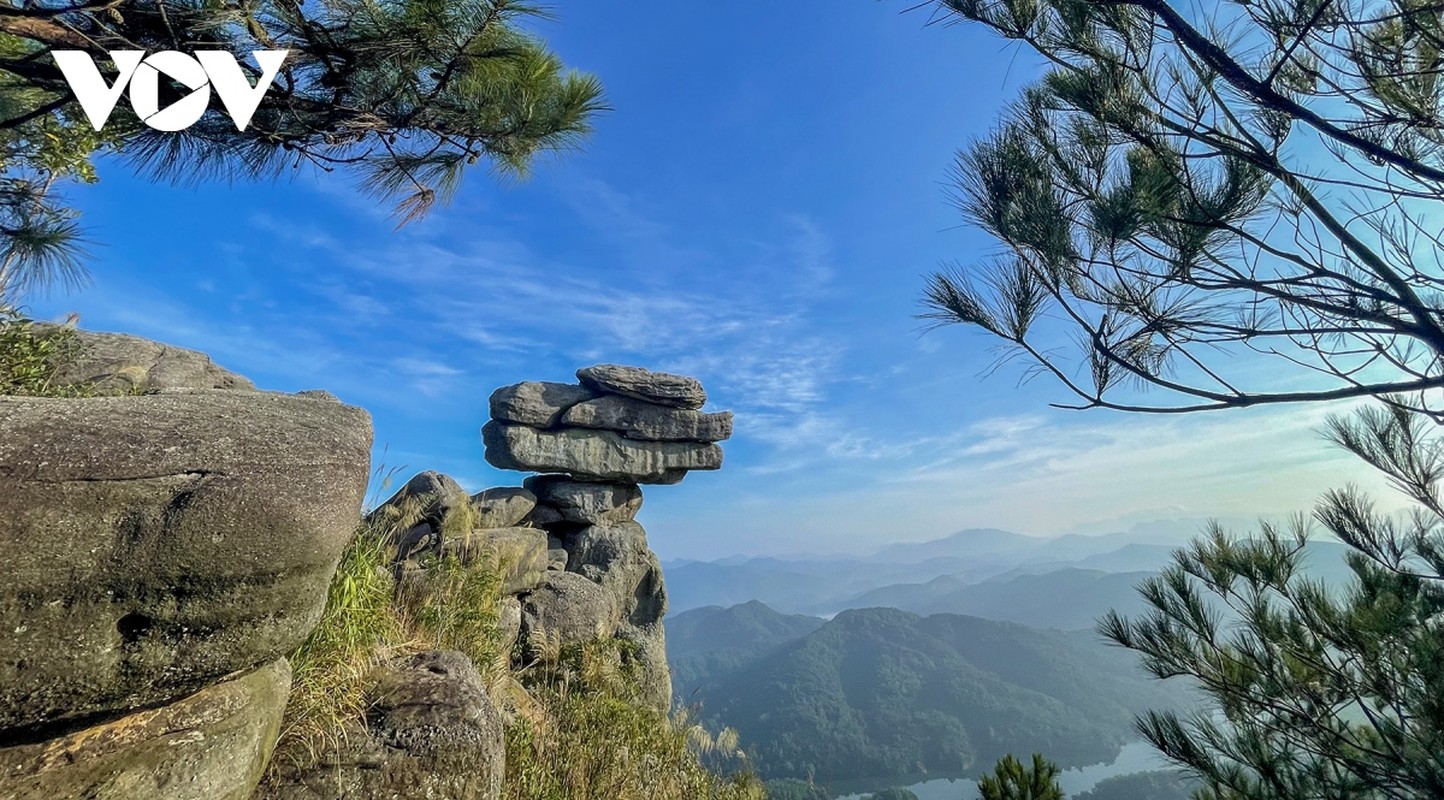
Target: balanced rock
point(570, 608)
point(211, 745)
point(536, 403)
point(587, 502)
point(595, 454)
point(116, 363)
point(636, 419)
point(678, 391)
point(503, 507)
point(156, 544)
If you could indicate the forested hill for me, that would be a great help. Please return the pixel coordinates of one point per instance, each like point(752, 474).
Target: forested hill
point(881, 692)
point(707, 643)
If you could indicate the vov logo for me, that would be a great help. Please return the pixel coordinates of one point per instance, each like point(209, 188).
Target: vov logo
point(200, 72)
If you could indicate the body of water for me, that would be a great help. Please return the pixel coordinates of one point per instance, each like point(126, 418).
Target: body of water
point(1134, 757)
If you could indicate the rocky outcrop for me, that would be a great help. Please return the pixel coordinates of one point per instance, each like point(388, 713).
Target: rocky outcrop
point(119, 364)
point(432, 732)
point(594, 443)
point(212, 745)
point(157, 544)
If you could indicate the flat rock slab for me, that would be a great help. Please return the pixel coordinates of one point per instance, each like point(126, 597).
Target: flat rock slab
point(662, 388)
point(595, 454)
point(156, 544)
point(212, 745)
point(636, 419)
point(536, 403)
point(587, 502)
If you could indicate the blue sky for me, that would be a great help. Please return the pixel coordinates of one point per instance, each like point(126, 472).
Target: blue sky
point(759, 211)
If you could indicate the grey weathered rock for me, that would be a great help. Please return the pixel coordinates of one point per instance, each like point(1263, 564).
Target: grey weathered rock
point(678, 391)
point(431, 732)
point(649, 650)
point(436, 493)
point(588, 502)
point(636, 419)
point(211, 745)
point(543, 516)
point(518, 554)
point(536, 403)
point(570, 608)
point(508, 622)
point(617, 558)
point(503, 507)
point(156, 544)
point(117, 363)
point(596, 454)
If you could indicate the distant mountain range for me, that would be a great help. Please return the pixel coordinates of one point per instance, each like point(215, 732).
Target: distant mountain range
point(1064, 582)
point(882, 692)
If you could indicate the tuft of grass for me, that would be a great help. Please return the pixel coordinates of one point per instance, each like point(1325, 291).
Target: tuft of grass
point(597, 740)
point(31, 358)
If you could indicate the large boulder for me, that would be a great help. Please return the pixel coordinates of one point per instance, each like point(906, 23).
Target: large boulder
point(431, 732)
point(212, 745)
point(157, 544)
point(536, 403)
point(587, 502)
point(503, 507)
point(678, 391)
point(618, 559)
point(636, 419)
point(595, 454)
point(117, 363)
point(570, 609)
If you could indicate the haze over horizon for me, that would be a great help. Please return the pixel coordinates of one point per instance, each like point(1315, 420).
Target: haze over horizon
point(764, 227)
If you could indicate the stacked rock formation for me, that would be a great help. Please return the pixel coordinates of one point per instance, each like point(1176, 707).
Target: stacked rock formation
point(594, 442)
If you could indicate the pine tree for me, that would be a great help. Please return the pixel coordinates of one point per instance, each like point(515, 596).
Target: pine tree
point(400, 95)
point(1012, 780)
point(1188, 184)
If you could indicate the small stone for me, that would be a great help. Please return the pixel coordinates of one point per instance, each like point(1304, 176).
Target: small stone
point(503, 507)
point(677, 391)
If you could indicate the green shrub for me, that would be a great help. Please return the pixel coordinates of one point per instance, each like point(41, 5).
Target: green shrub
point(30, 358)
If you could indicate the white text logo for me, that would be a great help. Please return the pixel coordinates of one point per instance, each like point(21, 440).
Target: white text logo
point(199, 72)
